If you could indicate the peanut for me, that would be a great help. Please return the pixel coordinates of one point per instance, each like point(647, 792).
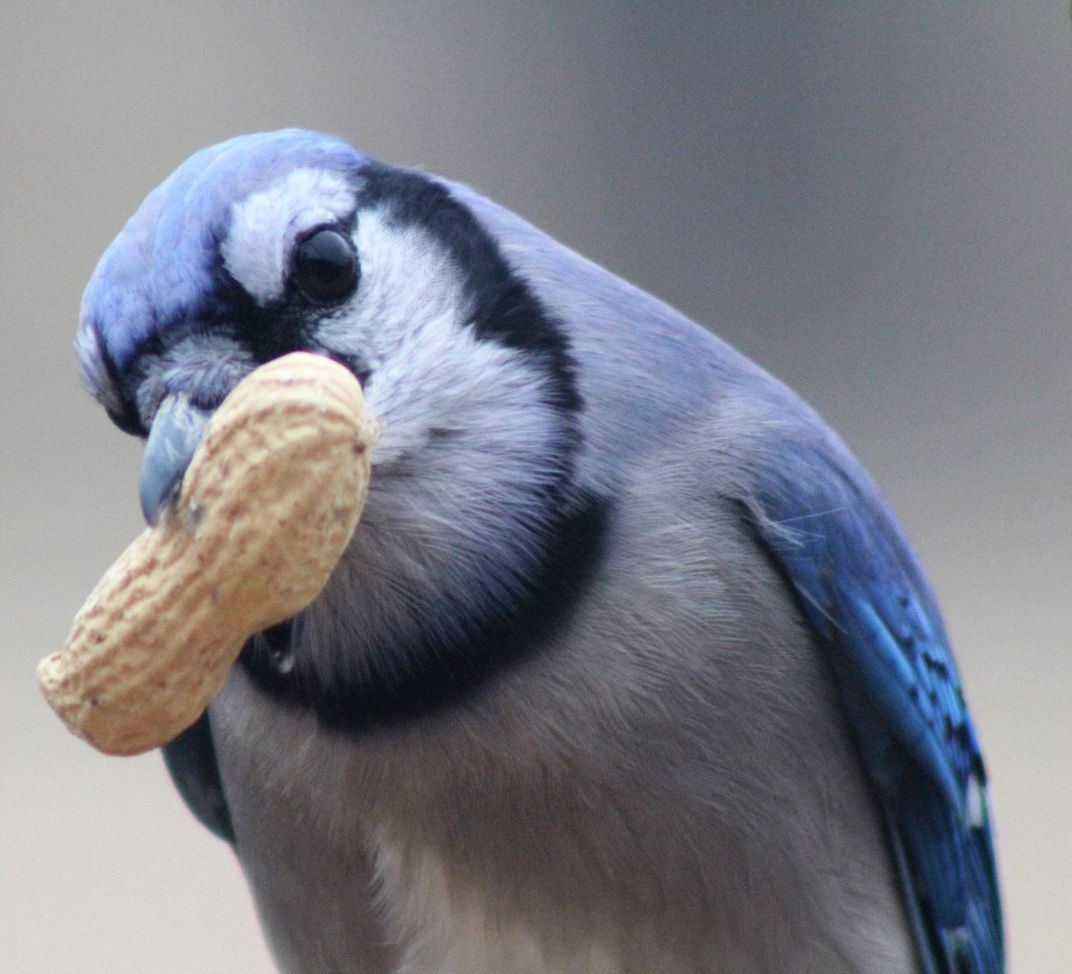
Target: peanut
point(265, 511)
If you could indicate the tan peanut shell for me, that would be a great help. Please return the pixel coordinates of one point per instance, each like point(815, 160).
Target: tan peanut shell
point(266, 509)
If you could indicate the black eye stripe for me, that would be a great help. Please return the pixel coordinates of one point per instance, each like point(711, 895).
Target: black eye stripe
point(324, 266)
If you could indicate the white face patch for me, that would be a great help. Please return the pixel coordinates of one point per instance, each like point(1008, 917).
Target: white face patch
point(409, 324)
point(264, 226)
point(470, 414)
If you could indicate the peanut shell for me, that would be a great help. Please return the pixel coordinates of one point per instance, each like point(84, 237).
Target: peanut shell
point(265, 511)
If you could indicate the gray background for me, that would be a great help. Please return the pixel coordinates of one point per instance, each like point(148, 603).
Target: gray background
point(873, 200)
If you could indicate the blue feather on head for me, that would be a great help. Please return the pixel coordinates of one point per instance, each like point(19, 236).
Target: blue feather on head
point(160, 268)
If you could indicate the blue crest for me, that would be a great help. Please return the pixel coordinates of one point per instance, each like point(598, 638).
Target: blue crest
point(159, 270)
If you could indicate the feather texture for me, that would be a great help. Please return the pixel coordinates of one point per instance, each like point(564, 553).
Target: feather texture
point(628, 667)
point(860, 586)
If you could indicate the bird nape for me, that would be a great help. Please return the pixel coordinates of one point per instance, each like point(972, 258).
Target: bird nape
point(628, 666)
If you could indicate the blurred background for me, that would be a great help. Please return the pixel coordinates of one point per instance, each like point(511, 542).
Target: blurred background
point(874, 200)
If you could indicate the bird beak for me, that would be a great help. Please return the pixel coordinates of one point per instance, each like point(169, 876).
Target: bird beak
point(177, 429)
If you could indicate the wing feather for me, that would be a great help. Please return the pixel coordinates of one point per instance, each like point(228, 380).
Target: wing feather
point(860, 587)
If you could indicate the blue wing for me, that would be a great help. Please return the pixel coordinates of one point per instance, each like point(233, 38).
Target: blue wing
point(860, 587)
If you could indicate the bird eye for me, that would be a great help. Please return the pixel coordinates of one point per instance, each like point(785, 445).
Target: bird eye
point(325, 266)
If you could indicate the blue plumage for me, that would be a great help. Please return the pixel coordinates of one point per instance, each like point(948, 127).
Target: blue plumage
point(541, 425)
point(160, 271)
point(861, 587)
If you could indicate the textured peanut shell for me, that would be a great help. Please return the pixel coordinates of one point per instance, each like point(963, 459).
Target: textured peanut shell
point(266, 509)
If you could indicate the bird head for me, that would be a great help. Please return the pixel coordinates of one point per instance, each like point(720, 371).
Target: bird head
point(285, 241)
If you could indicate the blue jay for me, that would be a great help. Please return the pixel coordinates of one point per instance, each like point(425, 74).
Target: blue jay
point(628, 667)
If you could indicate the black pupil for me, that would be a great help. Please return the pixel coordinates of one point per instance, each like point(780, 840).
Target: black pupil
point(324, 266)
